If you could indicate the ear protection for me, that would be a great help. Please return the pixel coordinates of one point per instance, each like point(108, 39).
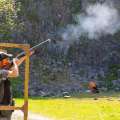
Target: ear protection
point(4, 62)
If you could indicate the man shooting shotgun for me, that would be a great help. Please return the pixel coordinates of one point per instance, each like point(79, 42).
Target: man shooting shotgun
point(22, 54)
point(21, 57)
point(10, 69)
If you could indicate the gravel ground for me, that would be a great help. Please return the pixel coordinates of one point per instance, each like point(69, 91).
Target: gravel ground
point(18, 115)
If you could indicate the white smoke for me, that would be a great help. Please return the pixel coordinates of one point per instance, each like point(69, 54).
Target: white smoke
point(98, 20)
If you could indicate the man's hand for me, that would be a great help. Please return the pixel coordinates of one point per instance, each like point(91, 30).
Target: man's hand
point(32, 52)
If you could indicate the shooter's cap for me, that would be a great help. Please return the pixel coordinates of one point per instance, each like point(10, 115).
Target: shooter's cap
point(4, 54)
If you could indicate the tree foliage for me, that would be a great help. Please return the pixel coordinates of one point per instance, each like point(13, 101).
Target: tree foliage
point(7, 18)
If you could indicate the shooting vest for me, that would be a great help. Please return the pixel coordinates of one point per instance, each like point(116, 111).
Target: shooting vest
point(5, 94)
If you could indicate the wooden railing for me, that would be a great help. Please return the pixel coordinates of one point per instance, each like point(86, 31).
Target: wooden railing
point(24, 107)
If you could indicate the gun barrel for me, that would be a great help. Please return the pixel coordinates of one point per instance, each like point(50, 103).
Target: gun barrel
point(48, 40)
point(23, 53)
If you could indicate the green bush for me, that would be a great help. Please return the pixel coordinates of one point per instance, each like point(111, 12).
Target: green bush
point(16, 84)
point(75, 6)
point(112, 75)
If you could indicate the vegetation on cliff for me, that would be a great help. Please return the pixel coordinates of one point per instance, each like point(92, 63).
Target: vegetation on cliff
point(29, 21)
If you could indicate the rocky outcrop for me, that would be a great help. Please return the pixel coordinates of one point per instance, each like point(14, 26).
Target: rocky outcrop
point(56, 69)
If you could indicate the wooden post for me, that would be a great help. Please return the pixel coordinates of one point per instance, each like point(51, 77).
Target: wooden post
point(26, 82)
point(26, 48)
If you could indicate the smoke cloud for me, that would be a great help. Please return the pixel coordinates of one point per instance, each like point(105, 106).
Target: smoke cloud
point(96, 21)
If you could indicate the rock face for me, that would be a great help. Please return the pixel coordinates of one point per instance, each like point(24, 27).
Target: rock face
point(56, 69)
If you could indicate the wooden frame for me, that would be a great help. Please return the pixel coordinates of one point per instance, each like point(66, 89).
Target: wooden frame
point(26, 48)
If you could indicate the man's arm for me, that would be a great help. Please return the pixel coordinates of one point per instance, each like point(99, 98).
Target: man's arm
point(22, 59)
point(14, 71)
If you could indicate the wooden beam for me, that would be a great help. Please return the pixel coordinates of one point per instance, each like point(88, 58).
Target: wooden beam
point(10, 108)
point(13, 45)
point(27, 50)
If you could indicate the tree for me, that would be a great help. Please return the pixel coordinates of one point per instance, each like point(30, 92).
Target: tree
point(7, 18)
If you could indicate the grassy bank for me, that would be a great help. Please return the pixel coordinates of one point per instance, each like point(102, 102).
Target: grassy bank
point(82, 107)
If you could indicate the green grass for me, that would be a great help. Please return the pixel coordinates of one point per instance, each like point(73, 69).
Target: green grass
point(80, 107)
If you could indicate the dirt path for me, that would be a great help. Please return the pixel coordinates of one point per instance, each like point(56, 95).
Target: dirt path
point(18, 115)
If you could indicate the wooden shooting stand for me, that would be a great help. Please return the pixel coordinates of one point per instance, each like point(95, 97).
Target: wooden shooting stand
point(24, 108)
